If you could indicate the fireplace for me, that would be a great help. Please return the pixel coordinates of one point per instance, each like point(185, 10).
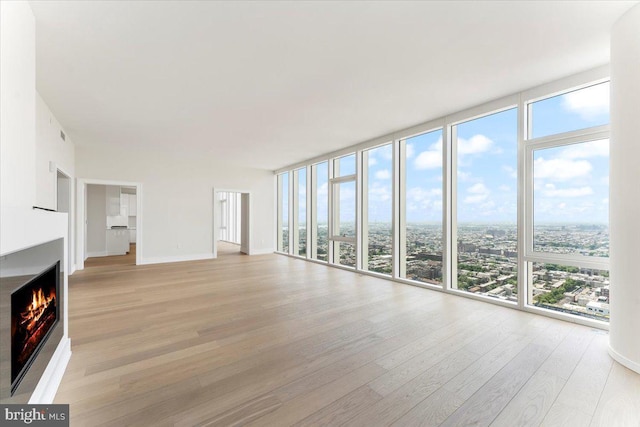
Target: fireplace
point(34, 313)
point(32, 288)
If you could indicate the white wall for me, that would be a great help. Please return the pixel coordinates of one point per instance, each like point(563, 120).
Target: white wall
point(64, 194)
point(96, 220)
point(624, 205)
point(50, 148)
point(20, 225)
point(17, 105)
point(177, 198)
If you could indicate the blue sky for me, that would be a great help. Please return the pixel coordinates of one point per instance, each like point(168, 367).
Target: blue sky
point(571, 182)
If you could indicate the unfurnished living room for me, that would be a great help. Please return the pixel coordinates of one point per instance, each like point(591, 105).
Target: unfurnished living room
point(319, 213)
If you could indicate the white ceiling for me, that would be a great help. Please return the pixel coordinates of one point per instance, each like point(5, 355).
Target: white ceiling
point(267, 84)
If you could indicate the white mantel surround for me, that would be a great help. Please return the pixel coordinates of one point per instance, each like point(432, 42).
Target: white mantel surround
point(624, 345)
point(24, 228)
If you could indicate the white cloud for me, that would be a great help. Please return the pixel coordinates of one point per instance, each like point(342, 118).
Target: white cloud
point(477, 193)
point(504, 188)
point(323, 190)
point(423, 200)
point(410, 151)
point(379, 193)
point(430, 159)
point(463, 176)
point(586, 150)
point(511, 171)
point(347, 194)
point(477, 198)
point(386, 151)
point(560, 169)
point(474, 145)
point(588, 103)
point(478, 188)
point(372, 161)
point(383, 174)
point(550, 190)
point(418, 194)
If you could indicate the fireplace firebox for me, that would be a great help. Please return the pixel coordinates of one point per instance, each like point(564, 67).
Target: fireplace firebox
point(34, 314)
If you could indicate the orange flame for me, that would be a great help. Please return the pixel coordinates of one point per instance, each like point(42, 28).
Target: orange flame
point(36, 309)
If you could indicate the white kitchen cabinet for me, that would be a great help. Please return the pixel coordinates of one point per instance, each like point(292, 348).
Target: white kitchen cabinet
point(113, 200)
point(133, 205)
point(124, 204)
point(117, 241)
point(132, 236)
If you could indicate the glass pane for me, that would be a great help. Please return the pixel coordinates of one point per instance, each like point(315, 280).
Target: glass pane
point(302, 212)
point(321, 171)
point(571, 199)
point(575, 110)
point(487, 205)
point(423, 210)
point(580, 291)
point(283, 243)
point(344, 166)
point(346, 254)
point(377, 218)
point(345, 196)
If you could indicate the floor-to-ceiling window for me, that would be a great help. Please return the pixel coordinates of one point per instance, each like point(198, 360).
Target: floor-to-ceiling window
point(486, 202)
point(343, 211)
point(300, 212)
point(421, 228)
point(567, 234)
point(320, 210)
point(283, 213)
point(377, 212)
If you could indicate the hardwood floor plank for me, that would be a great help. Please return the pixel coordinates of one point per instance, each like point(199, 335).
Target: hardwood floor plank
point(432, 411)
point(400, 401)
point(619, 404)
point(305, 405)
point(485, 404)
point(586, 383)
point(338, 412)
point(533, 401)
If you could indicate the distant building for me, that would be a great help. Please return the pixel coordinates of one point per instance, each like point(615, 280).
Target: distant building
point(598, 308)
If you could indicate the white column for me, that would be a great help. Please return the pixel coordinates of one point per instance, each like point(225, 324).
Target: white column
point(624, 333)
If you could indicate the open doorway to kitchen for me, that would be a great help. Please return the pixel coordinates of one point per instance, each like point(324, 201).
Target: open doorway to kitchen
point(231, 222)
point(110, 226)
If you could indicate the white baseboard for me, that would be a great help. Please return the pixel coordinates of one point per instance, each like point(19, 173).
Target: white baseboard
point(634, 366)
point(177, 258)
point(47, 387)
point(263, 251)
point(96, 254)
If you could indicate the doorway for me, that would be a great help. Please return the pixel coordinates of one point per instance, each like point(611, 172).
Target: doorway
point(63, 204)
point(110, 227)
point(231, 225)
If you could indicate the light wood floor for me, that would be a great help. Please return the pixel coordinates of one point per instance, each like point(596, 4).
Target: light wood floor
point(104, 261)
point(273, 341)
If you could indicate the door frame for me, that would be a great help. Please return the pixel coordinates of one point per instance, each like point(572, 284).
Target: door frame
point(71, 265)
point(245, 223)
point(81, 228)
